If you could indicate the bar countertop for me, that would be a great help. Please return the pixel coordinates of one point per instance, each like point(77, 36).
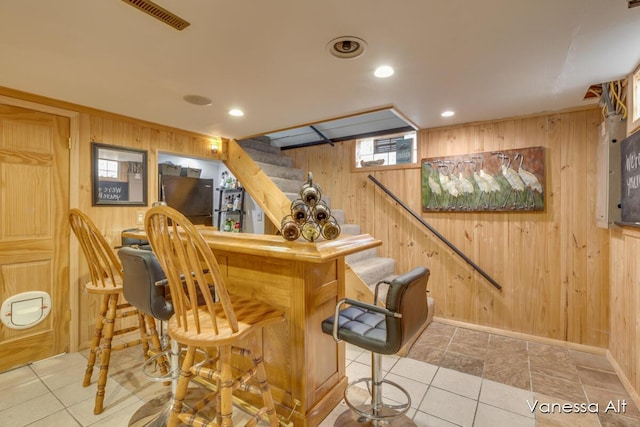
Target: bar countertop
point(276, 247)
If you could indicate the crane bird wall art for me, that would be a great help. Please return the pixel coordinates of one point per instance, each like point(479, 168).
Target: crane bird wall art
point(498, 181)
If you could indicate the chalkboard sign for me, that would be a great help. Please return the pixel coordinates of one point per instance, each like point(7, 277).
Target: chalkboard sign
point(113, 191)
point(630, 159)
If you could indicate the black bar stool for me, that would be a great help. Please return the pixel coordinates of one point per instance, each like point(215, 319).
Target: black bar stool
point(381, 330)
point(144, 288)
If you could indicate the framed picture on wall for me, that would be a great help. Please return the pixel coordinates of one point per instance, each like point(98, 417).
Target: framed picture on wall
point(508, 180)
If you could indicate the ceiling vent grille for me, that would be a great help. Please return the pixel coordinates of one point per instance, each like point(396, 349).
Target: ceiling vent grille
point(159, 13)
point(634, 3)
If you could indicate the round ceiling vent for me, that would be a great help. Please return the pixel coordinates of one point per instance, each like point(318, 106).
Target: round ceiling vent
point(198, 100)
point(347, 47)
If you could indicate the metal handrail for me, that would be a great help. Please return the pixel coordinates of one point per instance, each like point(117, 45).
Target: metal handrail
point(438, 235)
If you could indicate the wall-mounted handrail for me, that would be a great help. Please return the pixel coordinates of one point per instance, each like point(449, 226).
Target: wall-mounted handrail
point(437, 234)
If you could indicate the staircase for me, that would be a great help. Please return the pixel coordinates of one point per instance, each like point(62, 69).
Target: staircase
point(366, 264)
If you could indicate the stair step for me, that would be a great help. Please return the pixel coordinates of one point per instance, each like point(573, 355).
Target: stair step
point(260, 144)
point(271, 158)
point(282, 172)
point(362, 255)
point(372, 270)
point(353, 229)
point(339, 215)
point(288, 185)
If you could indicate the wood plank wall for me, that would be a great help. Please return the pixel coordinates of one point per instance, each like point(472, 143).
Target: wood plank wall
point(624, 344)
point(553, 265)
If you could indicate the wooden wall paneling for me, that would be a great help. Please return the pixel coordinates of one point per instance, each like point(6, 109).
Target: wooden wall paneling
point(632, 289)
point(625, 303)
point(573, 242)
point(583, 215)
point(534, 231)
point(561, 131)
point(552, 297)
point(619, 320)
point(630, 305)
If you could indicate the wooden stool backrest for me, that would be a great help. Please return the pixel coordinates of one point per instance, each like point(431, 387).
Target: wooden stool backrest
point(104, 266)
point(191, 268)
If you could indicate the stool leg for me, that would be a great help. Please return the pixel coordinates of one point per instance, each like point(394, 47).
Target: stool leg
point(261, 377)
point(144, 334)
point(105, 357)
point(155, 342)
point(95, 341)
point(153, 332)
point(218, 385)
point(183, 384)
point(226, 384)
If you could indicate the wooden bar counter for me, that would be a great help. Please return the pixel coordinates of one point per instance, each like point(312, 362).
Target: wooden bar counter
point(305, 367)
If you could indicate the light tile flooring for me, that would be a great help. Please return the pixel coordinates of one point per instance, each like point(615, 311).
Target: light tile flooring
point(455, 376)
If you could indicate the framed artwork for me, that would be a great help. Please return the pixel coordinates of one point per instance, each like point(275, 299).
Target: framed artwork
point(507, 180)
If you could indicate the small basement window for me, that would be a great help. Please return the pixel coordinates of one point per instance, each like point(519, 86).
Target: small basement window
point(636, 95)
point(387, 150)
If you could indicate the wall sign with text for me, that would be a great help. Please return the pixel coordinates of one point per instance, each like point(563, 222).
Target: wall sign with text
point(630, 167)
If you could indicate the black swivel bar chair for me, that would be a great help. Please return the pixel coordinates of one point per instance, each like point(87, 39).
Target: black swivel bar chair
point(381, 330)
point(144, 288)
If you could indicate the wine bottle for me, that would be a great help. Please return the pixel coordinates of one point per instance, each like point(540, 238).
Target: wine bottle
point(310, 231)
point(299, 211)
point(289, 229)
point(331, 229)
point(321, 212)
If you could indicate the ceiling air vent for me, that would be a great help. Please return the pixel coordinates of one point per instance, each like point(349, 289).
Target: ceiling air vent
point(634, 3)
point(159, 13)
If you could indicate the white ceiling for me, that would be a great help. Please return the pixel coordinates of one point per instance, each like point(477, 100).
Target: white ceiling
point(485, 59)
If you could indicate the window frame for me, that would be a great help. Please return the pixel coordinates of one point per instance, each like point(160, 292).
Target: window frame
point(399, 166)
point(633, 98)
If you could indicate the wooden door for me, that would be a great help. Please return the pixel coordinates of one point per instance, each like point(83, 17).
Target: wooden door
point(34, 231)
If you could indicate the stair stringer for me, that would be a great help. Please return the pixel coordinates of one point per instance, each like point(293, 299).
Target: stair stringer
point(259, 185)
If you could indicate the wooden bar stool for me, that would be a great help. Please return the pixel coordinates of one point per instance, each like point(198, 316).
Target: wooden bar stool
point(106, 280)
point(217, 326)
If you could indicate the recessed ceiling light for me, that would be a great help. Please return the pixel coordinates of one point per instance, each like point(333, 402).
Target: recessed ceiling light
point(236, 112)
point(383, 71)
point(198, 100)
point(447, 113)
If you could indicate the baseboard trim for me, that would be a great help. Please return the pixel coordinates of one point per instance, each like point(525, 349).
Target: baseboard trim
point(623, 378)
point(523, 336)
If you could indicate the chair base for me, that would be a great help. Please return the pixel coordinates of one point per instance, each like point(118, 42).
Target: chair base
point(350, 419)
point(387, 413)
point(155, 413)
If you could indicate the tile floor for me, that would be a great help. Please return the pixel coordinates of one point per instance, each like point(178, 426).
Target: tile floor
point(456, 377)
